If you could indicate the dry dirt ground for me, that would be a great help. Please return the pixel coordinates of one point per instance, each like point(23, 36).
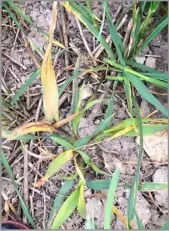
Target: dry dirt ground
point(17, 66)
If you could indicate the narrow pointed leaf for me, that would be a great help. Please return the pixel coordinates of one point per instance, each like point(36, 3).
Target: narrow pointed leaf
point(110, 199)
point(81, 202)
point(66, 187)
point(25, 86)
point(49, 86)
point(55, 166)
point(22, 203)
point(66, 209)
point(145, 93)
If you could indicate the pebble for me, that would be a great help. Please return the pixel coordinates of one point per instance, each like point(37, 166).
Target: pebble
point(60, 150)
point(161, 196)
point(140, 60)
point(151, 62)
point(97, 121)
point(87, 92)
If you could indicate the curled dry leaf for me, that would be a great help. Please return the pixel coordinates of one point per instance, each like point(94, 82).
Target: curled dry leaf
point(156, 146)
point(38, 126)
point(41, 126)
point(49, 85)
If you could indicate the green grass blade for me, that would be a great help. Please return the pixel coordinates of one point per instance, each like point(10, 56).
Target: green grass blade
point(58, 163)
point(110, 199)
point(85, 11)
point(86, 139)
point(11, 14)
point(156, 82)
point(98, 184)
point(19, 11)
point(75, 96)
point(25, 86)
point(143, 187)
point(139, 223)
point(66, 209)
point(90, 27)
point(127, 87)
point(90, 223)
point(109, 110)
point(165, 226)
point(81, 207)
point(102, 23)
point(89, 162)
point(141, 67)
point(61, 140)
point(148, 129)
point(89, 8)
point(22, 203)
point(98, 171)
point(117, 78)
point(145, 93)
point(161, 76)
point(151, 186)
point(163, 23)
point(134, 189)
point(137, 29)
point(66, 187)
point(72, 78)
point(85, 157)
point(114, 35)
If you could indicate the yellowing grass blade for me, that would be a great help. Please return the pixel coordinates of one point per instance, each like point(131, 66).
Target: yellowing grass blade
point(49, 85)
point(66, 209)
point(55, 166)
point(81, 202)
point(79, 171)
point(65, 121)
point(70, 9)
point(54, 41)
point(117, 212)
point(42, 126)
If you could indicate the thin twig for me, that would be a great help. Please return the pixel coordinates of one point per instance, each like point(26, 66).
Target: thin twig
point(25, 182)
point(127, 35)
point(19, 64)
point(44, 210)
point(83, 38)
point(63, 21)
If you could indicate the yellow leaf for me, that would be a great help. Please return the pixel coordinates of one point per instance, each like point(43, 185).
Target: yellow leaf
point(49, 85)
point(79, 171)
point(55, 166)
point(54, 41)
point(81, 202)
point(69, 8)
point(42, 126)
point(65, 121)
point(122, 132)
point(116, 211)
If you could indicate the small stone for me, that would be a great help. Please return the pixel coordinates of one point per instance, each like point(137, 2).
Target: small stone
point(161, 196)
point(121, 113)
point(156, 146)
point(60, 150)
point(87, 92)
point(140, 59)
point(145, 109)
point(151, 62)
point(97, 121)
point(146, 50)
point(142, 207)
